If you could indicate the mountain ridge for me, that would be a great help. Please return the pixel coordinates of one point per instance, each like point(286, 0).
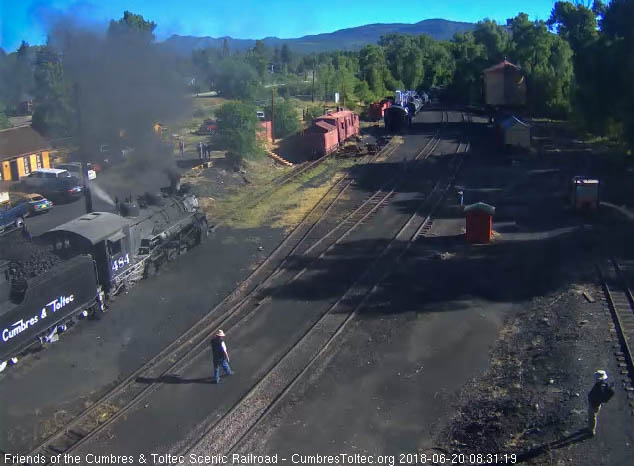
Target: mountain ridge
point(355, 37)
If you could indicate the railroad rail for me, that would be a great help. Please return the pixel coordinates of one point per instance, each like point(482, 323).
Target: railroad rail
point(231, 311)
point(621, 303)
point(305, 167)
point(228, 431)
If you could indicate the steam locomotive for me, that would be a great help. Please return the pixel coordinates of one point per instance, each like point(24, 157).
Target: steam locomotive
point(72, 270)
point(405, 107)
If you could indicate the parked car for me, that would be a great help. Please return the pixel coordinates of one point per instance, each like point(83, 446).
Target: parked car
point(11, 213)
point(75, 169)
point(53, 183)
point(36, 203)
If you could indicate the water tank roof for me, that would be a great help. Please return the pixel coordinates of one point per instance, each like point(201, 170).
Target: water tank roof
point(479, 207)
point(501, 66)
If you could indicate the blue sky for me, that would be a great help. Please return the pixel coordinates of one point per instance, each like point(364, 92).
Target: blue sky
point(249, 19)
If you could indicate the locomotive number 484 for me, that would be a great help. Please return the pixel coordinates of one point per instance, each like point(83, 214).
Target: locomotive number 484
point(120, 262)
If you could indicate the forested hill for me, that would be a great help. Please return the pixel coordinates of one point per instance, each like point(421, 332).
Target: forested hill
point(343, 39)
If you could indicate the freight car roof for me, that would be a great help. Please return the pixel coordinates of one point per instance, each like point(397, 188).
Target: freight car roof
point(339, 114)
point(325, 126)
point(95, 226)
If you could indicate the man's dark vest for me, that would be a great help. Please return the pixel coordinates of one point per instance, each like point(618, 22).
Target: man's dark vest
point(601, 393)
point(216, 349)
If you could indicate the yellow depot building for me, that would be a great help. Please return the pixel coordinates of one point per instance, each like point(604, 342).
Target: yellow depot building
point(22, 150)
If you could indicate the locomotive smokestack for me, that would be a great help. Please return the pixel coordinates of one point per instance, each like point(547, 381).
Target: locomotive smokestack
point(175, 181)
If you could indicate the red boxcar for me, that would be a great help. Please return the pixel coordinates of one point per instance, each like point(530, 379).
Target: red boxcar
point(377, 110)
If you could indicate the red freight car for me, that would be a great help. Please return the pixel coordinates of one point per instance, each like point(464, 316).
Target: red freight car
point(377, 109)
point(321, 139)
point(328, 132)
point(346, 122)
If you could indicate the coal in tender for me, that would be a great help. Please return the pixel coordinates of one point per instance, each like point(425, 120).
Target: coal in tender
point(28, 258)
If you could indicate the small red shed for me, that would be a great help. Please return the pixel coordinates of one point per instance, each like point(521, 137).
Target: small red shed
point(479, 222)
point(264, 131)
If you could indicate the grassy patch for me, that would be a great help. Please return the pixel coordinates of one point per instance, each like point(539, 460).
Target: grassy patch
point(284, 207)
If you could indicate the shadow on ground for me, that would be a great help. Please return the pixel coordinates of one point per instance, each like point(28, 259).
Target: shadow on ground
point(576, 437)
point(439, 270)
point(173, 379)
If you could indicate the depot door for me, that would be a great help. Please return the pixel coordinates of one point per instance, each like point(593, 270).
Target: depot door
point(15, 175)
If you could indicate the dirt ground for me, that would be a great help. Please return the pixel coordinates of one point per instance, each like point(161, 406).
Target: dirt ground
point(519, 324)
point(532, 401)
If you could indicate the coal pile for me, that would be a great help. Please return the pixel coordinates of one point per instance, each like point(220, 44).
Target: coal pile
point(27, 257)
point(525, 397)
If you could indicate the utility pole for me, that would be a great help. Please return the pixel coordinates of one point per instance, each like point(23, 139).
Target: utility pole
point(343, 93)
point(313, 91)
point(273, 115)
point(82, 149)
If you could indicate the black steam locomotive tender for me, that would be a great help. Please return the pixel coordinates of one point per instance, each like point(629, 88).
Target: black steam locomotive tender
point(100, 254)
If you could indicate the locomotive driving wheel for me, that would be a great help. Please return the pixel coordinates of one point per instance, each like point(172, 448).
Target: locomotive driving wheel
point(204, 231)
point(151, 269)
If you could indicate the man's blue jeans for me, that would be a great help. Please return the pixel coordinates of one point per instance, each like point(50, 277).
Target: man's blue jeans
point(225, 366)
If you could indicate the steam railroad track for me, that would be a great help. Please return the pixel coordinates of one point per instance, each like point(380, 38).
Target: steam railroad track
point(226, 434)
point(305, 167)
point(621, 303)
point(306, 240)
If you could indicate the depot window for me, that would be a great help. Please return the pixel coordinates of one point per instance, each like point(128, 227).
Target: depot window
point(27, 165)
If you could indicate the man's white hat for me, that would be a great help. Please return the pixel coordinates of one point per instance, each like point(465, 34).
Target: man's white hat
point(600, 375)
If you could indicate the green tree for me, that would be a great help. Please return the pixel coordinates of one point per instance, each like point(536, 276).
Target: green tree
point(615, 53)
point(225, 48)
point(494, 38)
point(132, 25)
point(313, 112)
point(470, 59)
point(205, 62)
point(286, 55)
point(237, 125)
point(373, 69)
point(413, 72)
point(547, 60)
point(286, 120)
point(325, 84)
point(438, 64)
point(52, 112)
point(235, 79)
point(575, 23)
point(16, 76)
point(259, 58)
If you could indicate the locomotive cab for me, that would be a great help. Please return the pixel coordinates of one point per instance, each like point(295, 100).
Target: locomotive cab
point(103, 236)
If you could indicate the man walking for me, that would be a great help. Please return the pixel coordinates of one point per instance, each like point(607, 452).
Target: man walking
point(181, 146)
point(601, 393)
point(220, 355)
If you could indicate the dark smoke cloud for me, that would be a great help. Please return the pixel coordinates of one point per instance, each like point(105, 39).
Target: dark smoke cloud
point(122, 84)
